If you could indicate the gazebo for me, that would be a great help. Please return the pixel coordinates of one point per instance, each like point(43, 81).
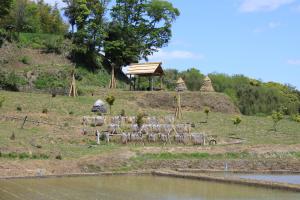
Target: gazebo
point(146, 70)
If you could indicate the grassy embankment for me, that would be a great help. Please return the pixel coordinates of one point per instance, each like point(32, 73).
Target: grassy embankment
point(45, 142)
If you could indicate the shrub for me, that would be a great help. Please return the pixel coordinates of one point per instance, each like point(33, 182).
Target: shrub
point(11, 81)
point(45, 111)
point(276, 117)
point(123, 114)
point(237, 120)
point(23, 155)
point(110, 100)
point(58, 157)
point(25, 60)
point(206, 111)
point(2, 99)
point(71, 113)
point(296, 118)
point(13, 136)
point(140, 120)
point(19, 108)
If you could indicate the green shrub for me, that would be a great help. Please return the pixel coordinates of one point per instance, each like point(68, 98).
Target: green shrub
point(58, 157)
point(25, 60)
point(237, 120)
point(11, 81)
point(23, 155)
point(276, 117)
point(110, 100)
point(140, 120)
point(2, 99)
point(296, 118)
point(45, 110)
point(123, 114)
point(19, 108)
point(71, 113)
point(206, 111)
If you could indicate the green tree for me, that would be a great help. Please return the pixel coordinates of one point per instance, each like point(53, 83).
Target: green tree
point(138, 28)
point(193, 79)
point(110, 100)
point(276, 117)
point(5, 7)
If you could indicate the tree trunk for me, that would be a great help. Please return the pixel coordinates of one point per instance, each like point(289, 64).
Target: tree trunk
point(112, 84)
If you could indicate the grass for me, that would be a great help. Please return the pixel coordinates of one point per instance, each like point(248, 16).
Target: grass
point(188, 156)
point(70, 144)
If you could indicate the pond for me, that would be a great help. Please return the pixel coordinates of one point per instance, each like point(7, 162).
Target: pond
point(282, 178)
point(132, 188)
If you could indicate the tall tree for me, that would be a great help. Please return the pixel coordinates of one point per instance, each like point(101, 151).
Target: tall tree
point(137, 30)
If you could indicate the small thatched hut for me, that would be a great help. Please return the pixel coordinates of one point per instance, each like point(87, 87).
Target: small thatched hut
point(180, 85)
point(207, 85)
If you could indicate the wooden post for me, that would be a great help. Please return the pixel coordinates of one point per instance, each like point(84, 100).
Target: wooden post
point(24, 121)
point(178, 111)
point(73, 90)
point(161, 82)
point(112, 84)
point(151, 83)
point(130, 82)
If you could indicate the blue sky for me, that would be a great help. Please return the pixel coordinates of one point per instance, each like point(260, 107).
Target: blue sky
point(257, 38)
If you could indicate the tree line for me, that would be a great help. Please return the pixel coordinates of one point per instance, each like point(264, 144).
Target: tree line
point(253, 97)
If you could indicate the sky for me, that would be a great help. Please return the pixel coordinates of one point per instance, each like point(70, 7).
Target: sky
point(256, 38)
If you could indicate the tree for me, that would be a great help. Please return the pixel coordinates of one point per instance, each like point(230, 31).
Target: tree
point(5, 7)
point(110, 100)
point(276, 117)
point(193, 79)
point(138, 29)
point(206, 111)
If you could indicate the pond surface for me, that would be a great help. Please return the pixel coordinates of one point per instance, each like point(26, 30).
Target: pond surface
point(292, 179)
point(133, 188)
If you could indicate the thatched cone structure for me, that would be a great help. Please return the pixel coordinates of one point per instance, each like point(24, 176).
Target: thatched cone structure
point(73, 89)
point(180, 85)
point(179, 88)
point(207, 85)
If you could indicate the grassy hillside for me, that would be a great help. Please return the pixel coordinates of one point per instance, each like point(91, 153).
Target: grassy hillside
point(38, 145)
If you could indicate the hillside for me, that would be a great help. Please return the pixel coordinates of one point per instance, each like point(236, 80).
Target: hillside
point(57, 145)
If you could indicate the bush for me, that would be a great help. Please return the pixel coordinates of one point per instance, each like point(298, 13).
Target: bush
point(2, 99)
point(110, 100)
point(237, 120)
point(25, 60)
point(58, 157)
point(277, 117)
point(45, 111)
point(140, 120)
point(296, 118)
point(11, 81)
point(19, 108)
point(123, 114)
point(71, 113)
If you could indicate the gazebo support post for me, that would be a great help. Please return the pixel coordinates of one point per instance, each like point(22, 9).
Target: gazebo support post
point(130, 82)
point(151, 83)
point(161, 82)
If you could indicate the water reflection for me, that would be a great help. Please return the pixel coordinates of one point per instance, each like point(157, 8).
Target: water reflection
point(133, 188)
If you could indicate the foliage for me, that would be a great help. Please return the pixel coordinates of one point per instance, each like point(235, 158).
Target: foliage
point(123, 114)
point(276, 117)
point(19, 108)
point(51, 80)
point(237, 120)
point(139, 119)
point(25, 60)
point(2, 100)
point(193, 79)
point(11, 81)
point(206, 111)
point(45, 111)
point(296, 118)
point(110, 100)
point(34, 17)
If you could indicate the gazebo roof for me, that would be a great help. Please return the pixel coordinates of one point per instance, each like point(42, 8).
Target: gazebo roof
point(146, 69)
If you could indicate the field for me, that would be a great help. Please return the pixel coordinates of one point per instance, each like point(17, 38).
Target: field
point(59, 147)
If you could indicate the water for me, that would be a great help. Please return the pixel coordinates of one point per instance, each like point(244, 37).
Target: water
point(292, 179)
point(133, 188)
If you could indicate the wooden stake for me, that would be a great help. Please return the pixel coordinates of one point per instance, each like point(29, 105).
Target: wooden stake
point(73, 90)
point(178, 111)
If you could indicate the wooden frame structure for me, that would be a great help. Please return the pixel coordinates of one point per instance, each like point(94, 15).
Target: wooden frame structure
point(145, 70)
